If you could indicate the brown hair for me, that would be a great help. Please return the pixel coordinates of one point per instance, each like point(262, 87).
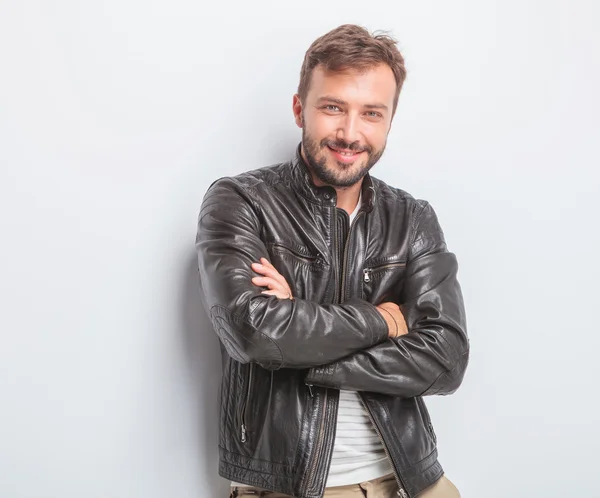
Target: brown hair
point(352, 47)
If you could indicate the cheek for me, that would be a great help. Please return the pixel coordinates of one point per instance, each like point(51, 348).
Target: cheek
point(376, 137)
point(321, 127)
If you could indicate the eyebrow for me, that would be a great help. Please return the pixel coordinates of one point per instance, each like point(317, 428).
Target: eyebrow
point(334, 100)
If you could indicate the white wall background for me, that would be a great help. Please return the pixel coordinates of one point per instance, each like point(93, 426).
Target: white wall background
point(116, 115)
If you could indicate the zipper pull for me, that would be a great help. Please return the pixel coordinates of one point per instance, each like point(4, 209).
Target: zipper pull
point(310, 391)
point(402, 493)
point(367, 274)
point(243, 433)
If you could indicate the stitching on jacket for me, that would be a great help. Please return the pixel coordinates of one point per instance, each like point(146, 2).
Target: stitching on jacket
point(457, 364)
point(455, 357)
point(414, 224)
point(393, 426)
point(263, 483)
point(253, 458)
point(301, 434)
point(279, 179)
point(423, 459)
point(241, 318)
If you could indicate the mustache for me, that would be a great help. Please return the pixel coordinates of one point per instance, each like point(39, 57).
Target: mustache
point(342, 144)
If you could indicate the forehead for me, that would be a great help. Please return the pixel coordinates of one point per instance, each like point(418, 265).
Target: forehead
point(374, 85)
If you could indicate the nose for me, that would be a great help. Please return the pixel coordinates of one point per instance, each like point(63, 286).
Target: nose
point(349, 129)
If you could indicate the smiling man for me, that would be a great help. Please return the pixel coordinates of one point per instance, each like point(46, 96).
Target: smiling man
point(335, 299)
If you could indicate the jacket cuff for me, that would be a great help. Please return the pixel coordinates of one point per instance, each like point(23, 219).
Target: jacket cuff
point(377, 324)
point(317, 376)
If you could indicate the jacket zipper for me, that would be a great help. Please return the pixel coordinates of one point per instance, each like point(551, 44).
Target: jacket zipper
point(335, 244)
point(247, 400)
point(368, 271)
point(401, 487)
point(345, 261)
point(336, 297)
point(313, 467)
point(339, 297)
point(308, 259)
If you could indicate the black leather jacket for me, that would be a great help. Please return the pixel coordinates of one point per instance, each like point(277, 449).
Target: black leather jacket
point(284, 361)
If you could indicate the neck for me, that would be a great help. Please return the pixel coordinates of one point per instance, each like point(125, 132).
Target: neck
point(347, 198)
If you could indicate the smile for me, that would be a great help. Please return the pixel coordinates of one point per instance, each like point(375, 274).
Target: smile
point(345, 155)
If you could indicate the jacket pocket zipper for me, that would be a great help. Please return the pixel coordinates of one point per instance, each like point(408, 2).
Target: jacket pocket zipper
point(425, 412)
point(367, 272)
point(296, 254)
point(246, 402)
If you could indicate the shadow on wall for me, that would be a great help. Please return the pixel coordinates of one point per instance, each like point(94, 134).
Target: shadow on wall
point(204, 362)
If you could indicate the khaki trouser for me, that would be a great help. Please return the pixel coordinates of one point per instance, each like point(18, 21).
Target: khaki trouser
point(383, 487)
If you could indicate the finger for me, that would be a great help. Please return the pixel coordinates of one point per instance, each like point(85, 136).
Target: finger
point(270, 272)
point(258, 268)
point(270, 283)
point(265, 267)
point(266, 262)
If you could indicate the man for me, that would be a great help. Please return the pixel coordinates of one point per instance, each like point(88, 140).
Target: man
point(334, 297)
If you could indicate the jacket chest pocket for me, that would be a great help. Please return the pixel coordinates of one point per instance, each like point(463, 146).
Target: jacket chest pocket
point(383, 279)
point(304, 269)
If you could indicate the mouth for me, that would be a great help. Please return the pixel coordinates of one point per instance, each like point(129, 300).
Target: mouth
point(345, 155)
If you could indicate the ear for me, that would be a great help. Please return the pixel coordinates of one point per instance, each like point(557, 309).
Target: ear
point(297, 109)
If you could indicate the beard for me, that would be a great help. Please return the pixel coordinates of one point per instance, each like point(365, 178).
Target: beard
point(341, 174)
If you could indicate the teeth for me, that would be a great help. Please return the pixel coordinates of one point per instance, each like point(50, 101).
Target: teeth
point(345, 152)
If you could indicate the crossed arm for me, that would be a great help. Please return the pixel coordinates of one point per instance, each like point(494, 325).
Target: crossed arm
point(346, 345)
point(402, 366)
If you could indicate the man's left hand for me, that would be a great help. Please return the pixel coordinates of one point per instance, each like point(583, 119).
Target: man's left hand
point(272, 279)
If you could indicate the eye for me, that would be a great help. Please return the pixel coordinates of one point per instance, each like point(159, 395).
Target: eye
point(331, 107)
point(374, 114)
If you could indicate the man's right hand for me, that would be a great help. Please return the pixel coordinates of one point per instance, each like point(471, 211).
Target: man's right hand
point(394, 318)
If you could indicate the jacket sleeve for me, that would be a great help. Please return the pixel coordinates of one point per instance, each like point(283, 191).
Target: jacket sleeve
point(256, 327)
point(433, 356)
